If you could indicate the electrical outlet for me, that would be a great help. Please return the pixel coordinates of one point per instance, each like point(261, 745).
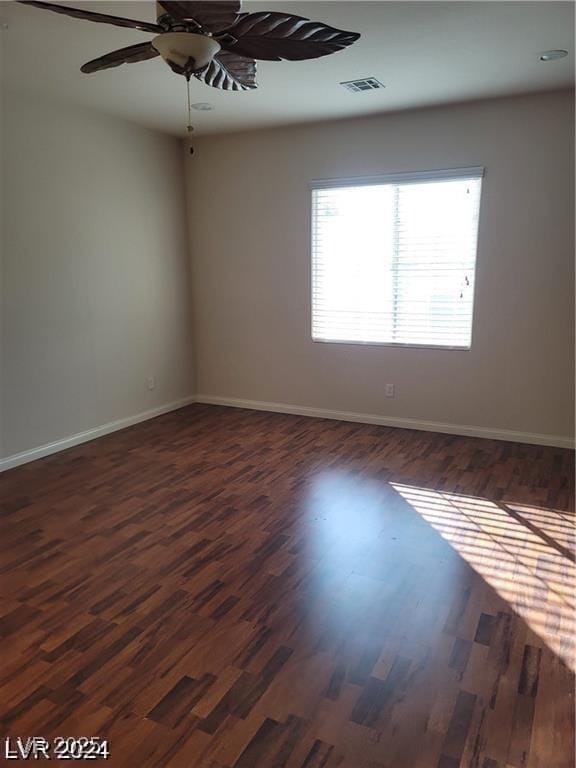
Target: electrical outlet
point(389, 390)
point(151, 382)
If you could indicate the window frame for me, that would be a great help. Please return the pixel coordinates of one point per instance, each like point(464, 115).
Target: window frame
point(408, 177)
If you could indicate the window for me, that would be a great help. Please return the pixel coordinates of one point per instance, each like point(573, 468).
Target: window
point(393, 258)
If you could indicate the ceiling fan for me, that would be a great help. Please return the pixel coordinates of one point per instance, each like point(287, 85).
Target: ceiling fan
point(214, 41)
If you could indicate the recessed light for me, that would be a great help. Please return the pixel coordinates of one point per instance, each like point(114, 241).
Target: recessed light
point(553, 55)
point(202, 106)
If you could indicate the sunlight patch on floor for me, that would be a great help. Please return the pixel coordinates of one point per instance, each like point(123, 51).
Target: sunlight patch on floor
point(524, 553)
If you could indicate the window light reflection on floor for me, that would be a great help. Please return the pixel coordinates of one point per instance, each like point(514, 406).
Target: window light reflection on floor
point(524, 553)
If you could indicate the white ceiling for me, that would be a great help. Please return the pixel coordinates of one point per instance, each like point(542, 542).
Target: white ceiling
point(425, 52)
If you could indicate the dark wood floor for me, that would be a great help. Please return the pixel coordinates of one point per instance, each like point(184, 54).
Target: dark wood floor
point(227, 588)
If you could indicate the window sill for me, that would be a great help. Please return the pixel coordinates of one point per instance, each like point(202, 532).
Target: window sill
point(394, 344)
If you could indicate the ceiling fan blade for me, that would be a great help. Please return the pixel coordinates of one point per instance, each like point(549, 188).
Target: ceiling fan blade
point(229, 72)
point(129, 55)
point(211, 15)
point(273, 36)
point(102, 18)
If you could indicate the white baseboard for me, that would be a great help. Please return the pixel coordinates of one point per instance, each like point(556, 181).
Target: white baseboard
point(557, 441)
point(90, 434)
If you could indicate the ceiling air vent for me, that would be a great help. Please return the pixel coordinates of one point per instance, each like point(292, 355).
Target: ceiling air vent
point(365, 84)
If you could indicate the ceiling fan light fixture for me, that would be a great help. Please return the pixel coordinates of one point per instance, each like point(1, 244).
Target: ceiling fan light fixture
point(180, 47)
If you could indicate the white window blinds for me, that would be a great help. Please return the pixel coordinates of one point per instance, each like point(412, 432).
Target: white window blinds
point(393, 258)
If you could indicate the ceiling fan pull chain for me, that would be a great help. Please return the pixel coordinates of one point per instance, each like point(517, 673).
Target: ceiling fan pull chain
point(189, 127)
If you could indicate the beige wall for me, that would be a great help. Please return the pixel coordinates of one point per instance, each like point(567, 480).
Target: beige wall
point(96, 272)
point(249, 216)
